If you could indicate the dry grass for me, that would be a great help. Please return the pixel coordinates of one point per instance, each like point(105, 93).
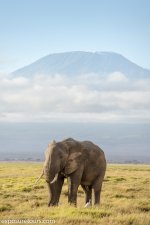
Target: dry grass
point(125, 197)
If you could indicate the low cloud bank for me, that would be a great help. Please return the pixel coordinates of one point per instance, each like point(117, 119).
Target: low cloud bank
point(83, 98)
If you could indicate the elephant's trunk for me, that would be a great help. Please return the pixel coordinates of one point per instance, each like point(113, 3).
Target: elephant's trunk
point(47, 175)
point(51, 170)
point(50, 175)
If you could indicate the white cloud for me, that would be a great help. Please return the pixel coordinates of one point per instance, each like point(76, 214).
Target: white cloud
point(117, 77)
point(84, 98)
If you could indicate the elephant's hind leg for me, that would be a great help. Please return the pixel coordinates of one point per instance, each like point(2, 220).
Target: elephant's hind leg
point(97, 188)
point(88, 194)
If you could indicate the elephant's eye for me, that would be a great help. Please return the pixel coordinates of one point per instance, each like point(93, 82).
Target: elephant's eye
point(61, 156)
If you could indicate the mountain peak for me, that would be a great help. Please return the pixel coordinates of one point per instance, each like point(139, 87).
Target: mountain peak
point(76, 63)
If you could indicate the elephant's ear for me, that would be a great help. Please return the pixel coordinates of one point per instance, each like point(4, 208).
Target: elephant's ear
point(73, 162)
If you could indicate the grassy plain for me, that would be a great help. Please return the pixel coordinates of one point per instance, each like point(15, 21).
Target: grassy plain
point(125, 198)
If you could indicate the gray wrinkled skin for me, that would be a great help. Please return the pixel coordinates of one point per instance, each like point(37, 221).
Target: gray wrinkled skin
point(83, 163)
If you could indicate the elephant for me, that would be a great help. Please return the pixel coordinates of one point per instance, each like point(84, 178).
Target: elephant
point(81, 162)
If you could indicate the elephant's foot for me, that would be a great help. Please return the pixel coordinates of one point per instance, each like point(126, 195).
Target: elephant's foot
point(52, 204)
point(72, 203)
point(97, 204)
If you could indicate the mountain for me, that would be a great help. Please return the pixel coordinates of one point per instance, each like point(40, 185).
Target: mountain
point(78, 62)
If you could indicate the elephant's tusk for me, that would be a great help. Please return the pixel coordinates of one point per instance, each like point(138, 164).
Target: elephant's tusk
point(55, 178)
point(88, 204)
point(39, 178)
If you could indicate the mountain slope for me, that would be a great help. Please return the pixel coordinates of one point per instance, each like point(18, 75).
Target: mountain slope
point(77, 63)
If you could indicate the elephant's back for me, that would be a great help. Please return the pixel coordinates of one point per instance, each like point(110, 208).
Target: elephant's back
point(94, 153)
point(91, 147)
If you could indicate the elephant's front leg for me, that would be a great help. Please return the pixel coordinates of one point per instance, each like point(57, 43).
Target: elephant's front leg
point(73, 188)
point(58, 186)
point(73, 183)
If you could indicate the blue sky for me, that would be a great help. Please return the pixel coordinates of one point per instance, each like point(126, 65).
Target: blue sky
point(30, 29)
